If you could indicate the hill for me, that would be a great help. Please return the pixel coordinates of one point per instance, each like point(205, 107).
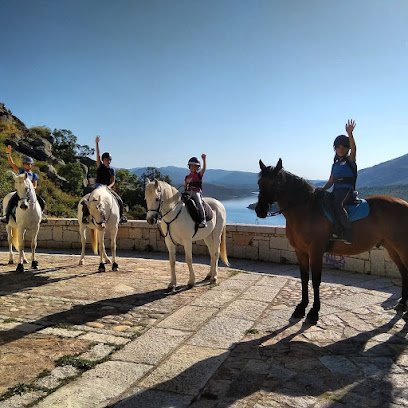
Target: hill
point(390, 173)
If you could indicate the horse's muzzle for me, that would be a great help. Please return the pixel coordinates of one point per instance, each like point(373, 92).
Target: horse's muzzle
point(23, 206)
point(152, 219)
point(261, 212)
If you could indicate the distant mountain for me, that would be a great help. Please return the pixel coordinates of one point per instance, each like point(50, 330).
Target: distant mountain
point(225, 178)
point(390, 173)
point(224, 184)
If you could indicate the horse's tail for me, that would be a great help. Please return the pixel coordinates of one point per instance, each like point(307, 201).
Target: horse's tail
point(223, 246)
point(94, 241)
point(14, 238)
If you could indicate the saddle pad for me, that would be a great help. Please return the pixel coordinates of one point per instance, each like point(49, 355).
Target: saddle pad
point(357, 211)
point(192, 209)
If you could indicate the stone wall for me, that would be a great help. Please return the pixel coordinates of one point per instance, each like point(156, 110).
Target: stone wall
point(254, 242)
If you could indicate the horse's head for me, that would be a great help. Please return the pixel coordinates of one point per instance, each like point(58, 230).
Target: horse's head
point(25, 190)
point(153, 197)
point(270, 179)
point(97, 208)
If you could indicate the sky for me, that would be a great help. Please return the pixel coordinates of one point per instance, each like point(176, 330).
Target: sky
point(240, 80)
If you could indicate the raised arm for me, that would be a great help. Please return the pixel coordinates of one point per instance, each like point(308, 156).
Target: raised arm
point(350, 125)
point(10, 159)
point(98, 156)
point(202, 171)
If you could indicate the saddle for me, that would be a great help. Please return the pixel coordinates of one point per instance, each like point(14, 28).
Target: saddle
point(193, 210)
point(357, 210)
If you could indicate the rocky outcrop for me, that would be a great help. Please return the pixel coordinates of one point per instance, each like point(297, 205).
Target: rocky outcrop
point(36, 143)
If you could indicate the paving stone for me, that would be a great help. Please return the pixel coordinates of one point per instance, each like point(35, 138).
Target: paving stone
point(152, 346)
point(188, 318)
point(61, 332)
point(104, 338)
point(244, 309)
point(186, 371)
point(221, 332)
point(146, 398)
point(96, 387)
point(215, 298)
point(23, 400)
point(97, 352)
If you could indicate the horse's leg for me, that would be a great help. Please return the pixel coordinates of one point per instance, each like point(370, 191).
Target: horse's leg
point(172, 260)
point(102, 252)
point(34, 262)
point(303, 258)
point(21, 256)
point(316, 264)
point(82, 234)
point(402, 266)
point(188, 251)
point(10, 242)
point(214, 250)
point(113, 235)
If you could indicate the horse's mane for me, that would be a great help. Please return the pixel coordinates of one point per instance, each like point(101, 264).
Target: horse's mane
point(297, 188)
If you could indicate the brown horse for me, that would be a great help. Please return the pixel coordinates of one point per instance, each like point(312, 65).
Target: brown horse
point(309, 231)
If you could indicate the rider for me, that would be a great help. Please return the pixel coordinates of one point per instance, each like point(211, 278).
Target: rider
point(194, 186)
point(343, 179)
point(27, 169)
point(105, 176)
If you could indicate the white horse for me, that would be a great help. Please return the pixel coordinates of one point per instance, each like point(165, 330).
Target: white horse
point(28, 218)
point(104, 216)
point(164, 204)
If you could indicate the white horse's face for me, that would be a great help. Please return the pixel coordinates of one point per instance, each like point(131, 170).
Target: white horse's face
point(24, 189)
point(153, 201)
point(98, 212)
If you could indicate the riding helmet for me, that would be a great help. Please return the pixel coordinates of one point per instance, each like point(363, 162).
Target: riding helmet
point(28, 160)
point(194, 160)
point(342, 140)
point(106, 155)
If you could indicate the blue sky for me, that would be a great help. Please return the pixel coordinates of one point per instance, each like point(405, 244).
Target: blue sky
point(164, 80)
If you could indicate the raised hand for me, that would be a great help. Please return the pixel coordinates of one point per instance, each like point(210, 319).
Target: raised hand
point(350, 125)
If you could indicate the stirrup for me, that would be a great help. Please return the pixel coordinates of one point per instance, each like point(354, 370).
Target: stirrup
point(85, 220)
point(123, 220)
point(4, 219)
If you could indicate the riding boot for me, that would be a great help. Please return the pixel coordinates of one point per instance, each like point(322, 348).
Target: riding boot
point(122, 218)
point(5, 218)
point(44, 218)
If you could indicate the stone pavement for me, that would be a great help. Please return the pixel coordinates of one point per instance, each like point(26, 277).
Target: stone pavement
point(71, 337)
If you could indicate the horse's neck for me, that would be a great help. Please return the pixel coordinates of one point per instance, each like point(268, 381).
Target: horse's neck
point(171, 197)
point(297, 194)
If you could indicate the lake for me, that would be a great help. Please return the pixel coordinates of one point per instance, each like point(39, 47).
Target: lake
point(238, 213)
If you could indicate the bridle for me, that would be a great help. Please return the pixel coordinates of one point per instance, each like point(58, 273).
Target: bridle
point(160, 216)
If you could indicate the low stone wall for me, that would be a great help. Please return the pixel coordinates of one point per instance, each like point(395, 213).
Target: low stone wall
point(263, 243)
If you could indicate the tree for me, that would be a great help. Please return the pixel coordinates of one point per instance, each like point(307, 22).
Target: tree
point(74, 174)
point(66, 147)
point(152, 173)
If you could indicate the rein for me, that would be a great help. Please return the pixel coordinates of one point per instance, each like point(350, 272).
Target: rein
point(161, 218)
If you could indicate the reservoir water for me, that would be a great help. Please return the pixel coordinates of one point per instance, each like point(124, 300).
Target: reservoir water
point(238, 213)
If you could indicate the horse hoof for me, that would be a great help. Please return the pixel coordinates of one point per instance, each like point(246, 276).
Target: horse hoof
point(299, 313)
point(81, 262)
point(20, 268)
point(101, 267)
point(213, 281)
point(115, 266)
point(400, 307)
point(25, 261)
point(190, 285)
point(207, 278)
point(11, 262)
point(172, 288)
point(34, 264)
point(312, 317)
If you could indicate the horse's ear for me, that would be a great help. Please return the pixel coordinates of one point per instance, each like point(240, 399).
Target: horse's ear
point(156, 183)
point(261, 165)
point(147, 180)
point(26, 175)
point(279, 166)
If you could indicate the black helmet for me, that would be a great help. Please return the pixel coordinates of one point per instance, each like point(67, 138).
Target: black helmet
point(106, 155)
point(194, 160)
point(342, 140)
